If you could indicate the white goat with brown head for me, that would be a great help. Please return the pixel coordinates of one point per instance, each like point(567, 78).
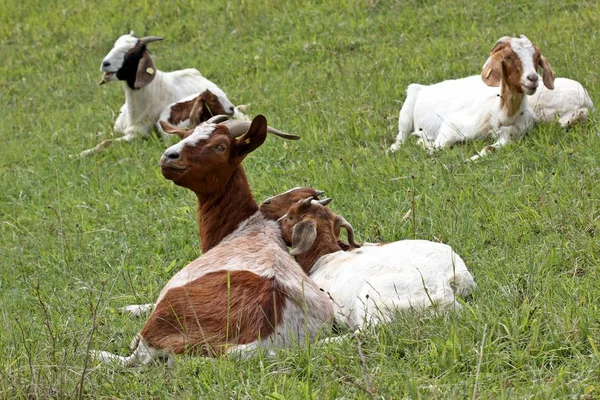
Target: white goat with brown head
point(369, 283)
point(474, 107)
point(245, 291)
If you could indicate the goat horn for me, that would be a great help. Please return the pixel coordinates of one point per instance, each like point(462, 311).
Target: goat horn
point(319, 192)
point(217, 119)
point(340, 222)
point(150, 39)
point(238, 128)
point(325, 201)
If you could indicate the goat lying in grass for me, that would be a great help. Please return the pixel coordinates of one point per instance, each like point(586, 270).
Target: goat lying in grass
point(369, 283)
point(245, 291)
point(150, 92)
point(470, 108)
point(569, 103)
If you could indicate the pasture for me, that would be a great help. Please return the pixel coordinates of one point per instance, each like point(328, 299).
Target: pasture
point(80, 237)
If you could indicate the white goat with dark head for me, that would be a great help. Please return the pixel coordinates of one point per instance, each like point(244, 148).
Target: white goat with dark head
point(491, 104)
point(369, 283)
point(148, 91)
point(245, 291)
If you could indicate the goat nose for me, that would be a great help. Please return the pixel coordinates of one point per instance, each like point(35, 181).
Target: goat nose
point(533, 77)
point(106, 63)
point(172, 155)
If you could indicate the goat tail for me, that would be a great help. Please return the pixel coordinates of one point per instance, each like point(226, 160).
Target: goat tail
point(406, 117)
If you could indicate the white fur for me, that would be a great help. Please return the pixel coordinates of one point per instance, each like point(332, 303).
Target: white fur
point(370, 283)
point(569, 102)
point(201, 132)
point(457, 110)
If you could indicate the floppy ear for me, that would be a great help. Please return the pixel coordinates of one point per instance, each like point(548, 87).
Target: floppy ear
point(549, 75)
point(303, 236)
point(181, 132)
point(491, 73)
point(145, 72)
point(198, 109)
point(251, 140)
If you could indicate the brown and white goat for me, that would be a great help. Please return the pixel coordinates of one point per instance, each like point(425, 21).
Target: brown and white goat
point(197, 108)
point(245, 291)
point(470, 108)
point(368, 284)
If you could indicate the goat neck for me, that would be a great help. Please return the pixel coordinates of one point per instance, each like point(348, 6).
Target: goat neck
point(220, 213)
point(511, 96)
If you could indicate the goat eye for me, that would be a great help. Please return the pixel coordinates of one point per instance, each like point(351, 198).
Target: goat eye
point(220, 148)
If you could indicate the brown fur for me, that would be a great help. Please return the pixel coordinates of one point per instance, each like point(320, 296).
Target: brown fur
point(181, 111)
point(199, 109)
point(326, 241)
point(277, 206)
point(234, 202)
point(146, 71)
point(220, 308)
point(206, 106)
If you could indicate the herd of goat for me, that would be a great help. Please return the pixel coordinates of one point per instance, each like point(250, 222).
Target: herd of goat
point(247, 290)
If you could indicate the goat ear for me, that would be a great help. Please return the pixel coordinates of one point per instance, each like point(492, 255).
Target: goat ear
point(181, 132)
point(303, 236)
point(491, 73)
point(549, 75)
point(145, 72)
point(198, 109)
point(252, 139)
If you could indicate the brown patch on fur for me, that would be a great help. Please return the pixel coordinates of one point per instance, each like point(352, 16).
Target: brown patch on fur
point(181, 111)
point(215, 310)
point(199, 109)
point(206, 106)
point(511, 91)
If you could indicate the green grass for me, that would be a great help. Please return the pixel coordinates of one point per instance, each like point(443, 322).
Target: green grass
point(81, 237)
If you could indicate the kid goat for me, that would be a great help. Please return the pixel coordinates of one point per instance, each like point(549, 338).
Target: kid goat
point(367, 284)
point(148, 91)
point(245, 291)
point(465, 109)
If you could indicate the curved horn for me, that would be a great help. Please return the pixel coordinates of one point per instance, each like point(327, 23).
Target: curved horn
point(340, 222)
point(325, 201)
point(238, 128)
point(217, 119)
point(282, 134)
point(150, 39)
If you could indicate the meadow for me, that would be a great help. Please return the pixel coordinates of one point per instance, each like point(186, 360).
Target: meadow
point(80, 237)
